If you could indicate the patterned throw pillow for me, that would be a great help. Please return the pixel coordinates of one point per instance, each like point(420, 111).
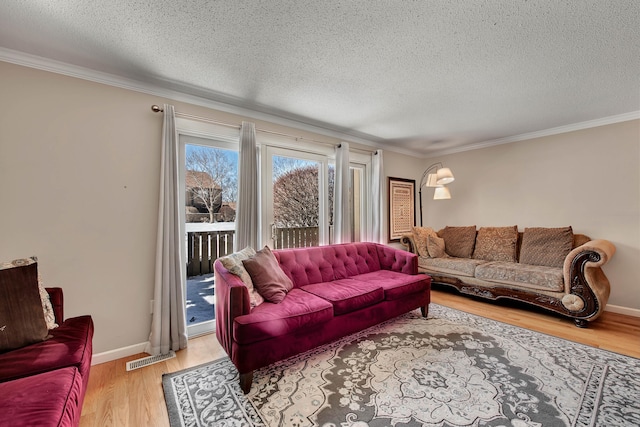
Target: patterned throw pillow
point(21, 316)
point(49, 316)
point(233, 263)
point(435, 245)
point(496, 244)
point(420, 236)
point(546, 246)
point(459, 241)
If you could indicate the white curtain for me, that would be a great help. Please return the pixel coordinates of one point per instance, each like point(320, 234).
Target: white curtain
point(168, 326)
point(377, 191)
point(341, 208)
point(247, 221)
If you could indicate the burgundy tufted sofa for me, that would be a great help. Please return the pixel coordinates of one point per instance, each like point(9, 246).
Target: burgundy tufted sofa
point(338, 290)
point(44, 384)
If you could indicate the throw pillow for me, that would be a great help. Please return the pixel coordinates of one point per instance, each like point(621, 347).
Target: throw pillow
point(496, 244)
point(47, 308)
point(420, 236)
point(435, 245)
point(459, 241)
point(21, 316)
point(233, 263)
point(546, 246)
point(267, 275)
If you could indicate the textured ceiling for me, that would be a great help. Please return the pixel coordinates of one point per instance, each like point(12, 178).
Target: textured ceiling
point(425, 76)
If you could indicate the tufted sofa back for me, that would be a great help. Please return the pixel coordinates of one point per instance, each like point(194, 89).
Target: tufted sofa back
point(306, 266)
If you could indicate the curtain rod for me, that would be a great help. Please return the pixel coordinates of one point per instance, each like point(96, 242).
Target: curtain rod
point(157, 109)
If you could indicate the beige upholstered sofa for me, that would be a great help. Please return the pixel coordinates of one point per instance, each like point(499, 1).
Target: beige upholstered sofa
point(550, 268)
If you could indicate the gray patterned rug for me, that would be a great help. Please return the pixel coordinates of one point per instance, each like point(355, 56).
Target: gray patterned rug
point(453, 369)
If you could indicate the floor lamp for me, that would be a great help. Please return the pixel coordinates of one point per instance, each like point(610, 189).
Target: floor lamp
point(438, 180)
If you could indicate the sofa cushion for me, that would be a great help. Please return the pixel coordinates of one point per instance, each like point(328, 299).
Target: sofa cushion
point(458, 266)
point(49, 399)
point(70, 345)
point(22, 319)
point(267, 276)
point(233, 263)
point(421, 236)
point(347, 295)
point(436, 247)
point(546, 246)
point(522, 275)
point(394, 284)
point(459, 241)
point(298, 310)
point(496, 244)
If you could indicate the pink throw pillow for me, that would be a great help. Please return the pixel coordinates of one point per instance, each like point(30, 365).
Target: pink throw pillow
point(267, 276)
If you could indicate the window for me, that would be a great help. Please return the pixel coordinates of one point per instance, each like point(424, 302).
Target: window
point(296, 181)
point(208, 161)
point(295, 205)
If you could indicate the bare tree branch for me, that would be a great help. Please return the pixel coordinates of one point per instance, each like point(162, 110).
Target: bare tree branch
point(295, 197)
point(212, 177)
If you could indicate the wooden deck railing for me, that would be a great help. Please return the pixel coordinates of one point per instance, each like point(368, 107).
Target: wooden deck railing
point(295, 237)
point(204, 247)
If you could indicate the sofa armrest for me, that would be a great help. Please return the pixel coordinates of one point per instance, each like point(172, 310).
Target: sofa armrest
point(397, 260)
point(408, 241)
point(56, 296)
point(586, 286)
point(232, 300)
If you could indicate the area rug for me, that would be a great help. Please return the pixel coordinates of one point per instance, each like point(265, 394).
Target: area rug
point(453, 369)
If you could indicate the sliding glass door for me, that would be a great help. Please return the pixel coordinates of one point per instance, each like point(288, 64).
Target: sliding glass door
point(209, 172)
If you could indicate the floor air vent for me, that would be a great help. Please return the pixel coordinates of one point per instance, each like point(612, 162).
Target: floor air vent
point(146, 361)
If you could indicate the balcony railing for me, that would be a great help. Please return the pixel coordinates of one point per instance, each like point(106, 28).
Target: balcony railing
point(295, 237)
point(204, 247)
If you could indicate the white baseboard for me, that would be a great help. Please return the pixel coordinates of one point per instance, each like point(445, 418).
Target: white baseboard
point(118, 353)
point(623, 310)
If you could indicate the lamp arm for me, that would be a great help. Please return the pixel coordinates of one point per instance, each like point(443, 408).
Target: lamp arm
point(422, 182)
point(425, 174)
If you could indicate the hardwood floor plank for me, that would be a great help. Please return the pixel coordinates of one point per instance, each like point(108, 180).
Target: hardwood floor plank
point(119, 398)
point(611, 331)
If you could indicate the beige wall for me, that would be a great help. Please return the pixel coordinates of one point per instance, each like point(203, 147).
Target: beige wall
point(589, 179)
point(406, 167)
point(79, 167)
point(79, 174)
point(79, 163)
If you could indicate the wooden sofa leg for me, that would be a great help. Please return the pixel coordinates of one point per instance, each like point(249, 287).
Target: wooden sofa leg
point(245, 382)
point(581, 323)
point(425, 311)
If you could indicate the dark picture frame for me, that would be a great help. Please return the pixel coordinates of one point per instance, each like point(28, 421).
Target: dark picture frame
point(402, 207)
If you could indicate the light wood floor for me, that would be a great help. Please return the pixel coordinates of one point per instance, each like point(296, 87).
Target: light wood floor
point(119, 398)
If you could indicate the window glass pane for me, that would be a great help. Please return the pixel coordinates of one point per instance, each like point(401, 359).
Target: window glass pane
point(210, 196)
point(296, 207)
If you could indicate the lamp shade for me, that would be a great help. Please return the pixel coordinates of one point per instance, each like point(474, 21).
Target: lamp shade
point(441, 193)
point(444, 176)
point(431, 180)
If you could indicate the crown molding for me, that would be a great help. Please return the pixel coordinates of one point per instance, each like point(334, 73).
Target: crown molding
point(50, 65)
point(53, 66)
point(634, 115)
